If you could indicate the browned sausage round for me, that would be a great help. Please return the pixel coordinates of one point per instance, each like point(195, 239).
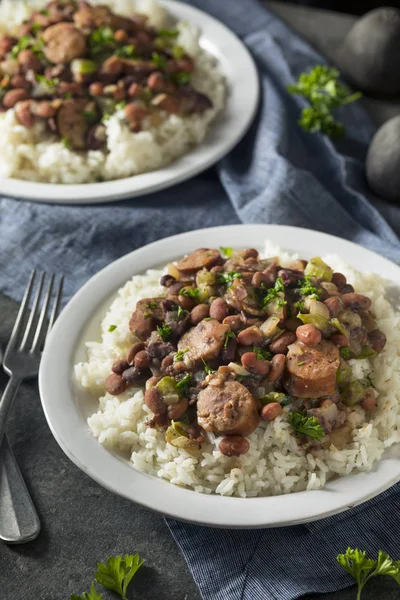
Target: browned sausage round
point(219, 309)
point(235, 445)
point(312, 369)
point(200, 312)
point(250, 336)
point(119, 366)
point(63, 43)
point(270, 411)
point(175, 411)
point(72, 123)
point(154, 401)
point(13, 96)
point(308, 335)
point(115, 384)
point(280, 345)
point(204, 341)
point(357, 301)
point(250, 362)
point(277, 367)
point(199, 259)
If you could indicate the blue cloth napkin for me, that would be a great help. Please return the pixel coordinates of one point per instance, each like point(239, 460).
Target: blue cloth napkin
point(277, 174)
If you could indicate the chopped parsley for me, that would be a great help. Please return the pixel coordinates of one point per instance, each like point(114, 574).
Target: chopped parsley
point(112, 328)
point(168, 33)
point(345, 352)
point(208, 369)
point(182, 78)
point(307, 288)
point(300, 306)
point(267, 295)
point(102, 40)
point(90, 115)
point(35, 27)
point(303, 425)
point(46, 82)
point(226, 252)
point(44, 12)
point(178, 52)
point(66, 143)
point(303, 362)
point(190, 293)
point(183, 384)
point(28, 42)
point(180, 354)
point(152, 304)
point(126, 51)
point(159, 60)
point(262, 354)
point(228, 336)
point(164, 331)
point(228, 278)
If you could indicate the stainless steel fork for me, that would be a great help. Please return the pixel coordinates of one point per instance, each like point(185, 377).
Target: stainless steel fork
point(22, 358)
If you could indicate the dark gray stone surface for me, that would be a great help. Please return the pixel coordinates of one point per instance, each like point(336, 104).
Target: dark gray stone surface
point(81, 522)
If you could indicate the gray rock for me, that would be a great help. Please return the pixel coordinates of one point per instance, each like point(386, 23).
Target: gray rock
point(370, 54)
point(383, 161)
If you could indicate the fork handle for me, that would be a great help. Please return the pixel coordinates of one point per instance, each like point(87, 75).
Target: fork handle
point(6, 402)
point(19, 521)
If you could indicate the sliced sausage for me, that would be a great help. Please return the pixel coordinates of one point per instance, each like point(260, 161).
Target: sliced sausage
point(147, 314)
point(205, 341)
point(229, 409)
point(63, 43)
point(312, 369)
point(72, 123)
point(203, 258)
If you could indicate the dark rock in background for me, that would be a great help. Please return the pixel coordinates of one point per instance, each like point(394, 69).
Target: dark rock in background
point(370, 55)
point(383, 161)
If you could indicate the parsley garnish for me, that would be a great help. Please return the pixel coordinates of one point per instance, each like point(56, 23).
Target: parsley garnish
point(112, 328)
point(28, 42)
point(307, 287)
point(117, 573)
point(300, 306)
point(183, 384)
point(227, 252)
point(90, 115)
point(228, 278)
point(180, 311)
point(168, 33)
point(190, 293)
point(102, 40)
point(164, 331)
point(182, 78)
point(126, 51)
point(92, 595)
point(152, 304)
point(159, 60)
point(356, 563)
point(345, 352)
point(228, 336)
point(66, 143)
point(323, 90)
point(180, 354)
point(208, 369)
point(261, 353)
point(35, 27)
point(303, 425)
point(46, 82)
point(303, 362)
point(45, 12)
point(267, 295)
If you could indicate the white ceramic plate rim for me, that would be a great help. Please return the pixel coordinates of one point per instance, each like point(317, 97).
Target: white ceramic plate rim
point(229, 127)
point(72, 433)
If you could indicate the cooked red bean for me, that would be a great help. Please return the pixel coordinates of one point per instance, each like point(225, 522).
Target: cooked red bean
point(96, 88)
point(6, 44)
point(252, 336)
point(196, 433)
point(152, 381)
point(200, 312)
point(292, 324)
point(260, 278)
point(120, 35)
point(171, 104)
point(167, 280)
point(154, 401)
point(166, 362)
point(43, 109)
point(115, 384)
point(347, 289)
point(258, 367)
point(186, 302)
point(250, 253)
point(235, 322)
point(135, 90)
point(277, 367)
point(23, 113)
point(135, 111)
point(356, 301)
point(217, 269)
point(369, 401)
point(234, 445)
point(175, 411)
point(142, 360)
point(339, 280)
point(180, 367)
point(156, 81)
point(13, 96)
point(280, 345)
point(335, 305)
point(377, 340)
point(219, 309)
point(133, 350)
point(28, 61)
point(120, 366)
point(19, 81)
point(270, 411)
point(341, 341)
point(308, 335)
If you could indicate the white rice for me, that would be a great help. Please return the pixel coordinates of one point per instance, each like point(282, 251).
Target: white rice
point(275, 463)
point(35, 155)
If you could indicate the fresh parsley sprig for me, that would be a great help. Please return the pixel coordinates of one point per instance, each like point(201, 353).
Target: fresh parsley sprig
point(303, 425)
point(362, 568)
point(307, 287)
point(322, 88)
point(189, 292)
point(228, 278)
point(207, 368)
point(228, 336)
point(267, 295)
point(262, 354)
point(164, 331)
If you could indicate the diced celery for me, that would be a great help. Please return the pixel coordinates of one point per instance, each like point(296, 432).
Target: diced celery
point(167, 386)
point(177, 436)
point(205, 277)
point(340, 327)
point(353, 393)
point(283, 399)
point(318, 268)
point(319, 322)
point(343, 373)
point(366, 352)
point(82, 66)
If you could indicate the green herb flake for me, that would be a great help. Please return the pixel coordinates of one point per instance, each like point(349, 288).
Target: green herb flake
point(267, 295)
point(228, 278)
point(66, 143)
point(117, 573)
point(182, 78)
point(226, 252)
point(22, 44)
point(183, 384)
point(262, 354)
point(91, 595)
point(126, 51)
point(90, 115)
point(180, 312)
point(180, 354)
point(178, 52)
point(303, 362)
point(46, 82)
point(112, 328)
point(35, 27)
point(190, 293)
point(208, 370)
point(101, 41)
point(168, 33)
point(45, 12)
point(164, 331)
point(345, 353)
point(303, 425)
point(358, 565)
point(159, 60)
point(228, 336)
point(300, 306)
point(307, 287)
point(153, 304)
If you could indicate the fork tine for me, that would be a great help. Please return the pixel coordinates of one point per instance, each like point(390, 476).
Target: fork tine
point(33, 314)
point(56, 305)
point(21, 313)
point(43, 314)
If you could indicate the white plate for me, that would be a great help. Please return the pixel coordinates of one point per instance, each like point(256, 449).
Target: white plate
point(66, 406)
point(229, 127)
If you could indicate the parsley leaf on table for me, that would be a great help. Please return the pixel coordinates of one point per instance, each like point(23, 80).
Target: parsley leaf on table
point(92, 595)
point(322, 88)
point(303, 425)
point(117, 573)
point(362, 568)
